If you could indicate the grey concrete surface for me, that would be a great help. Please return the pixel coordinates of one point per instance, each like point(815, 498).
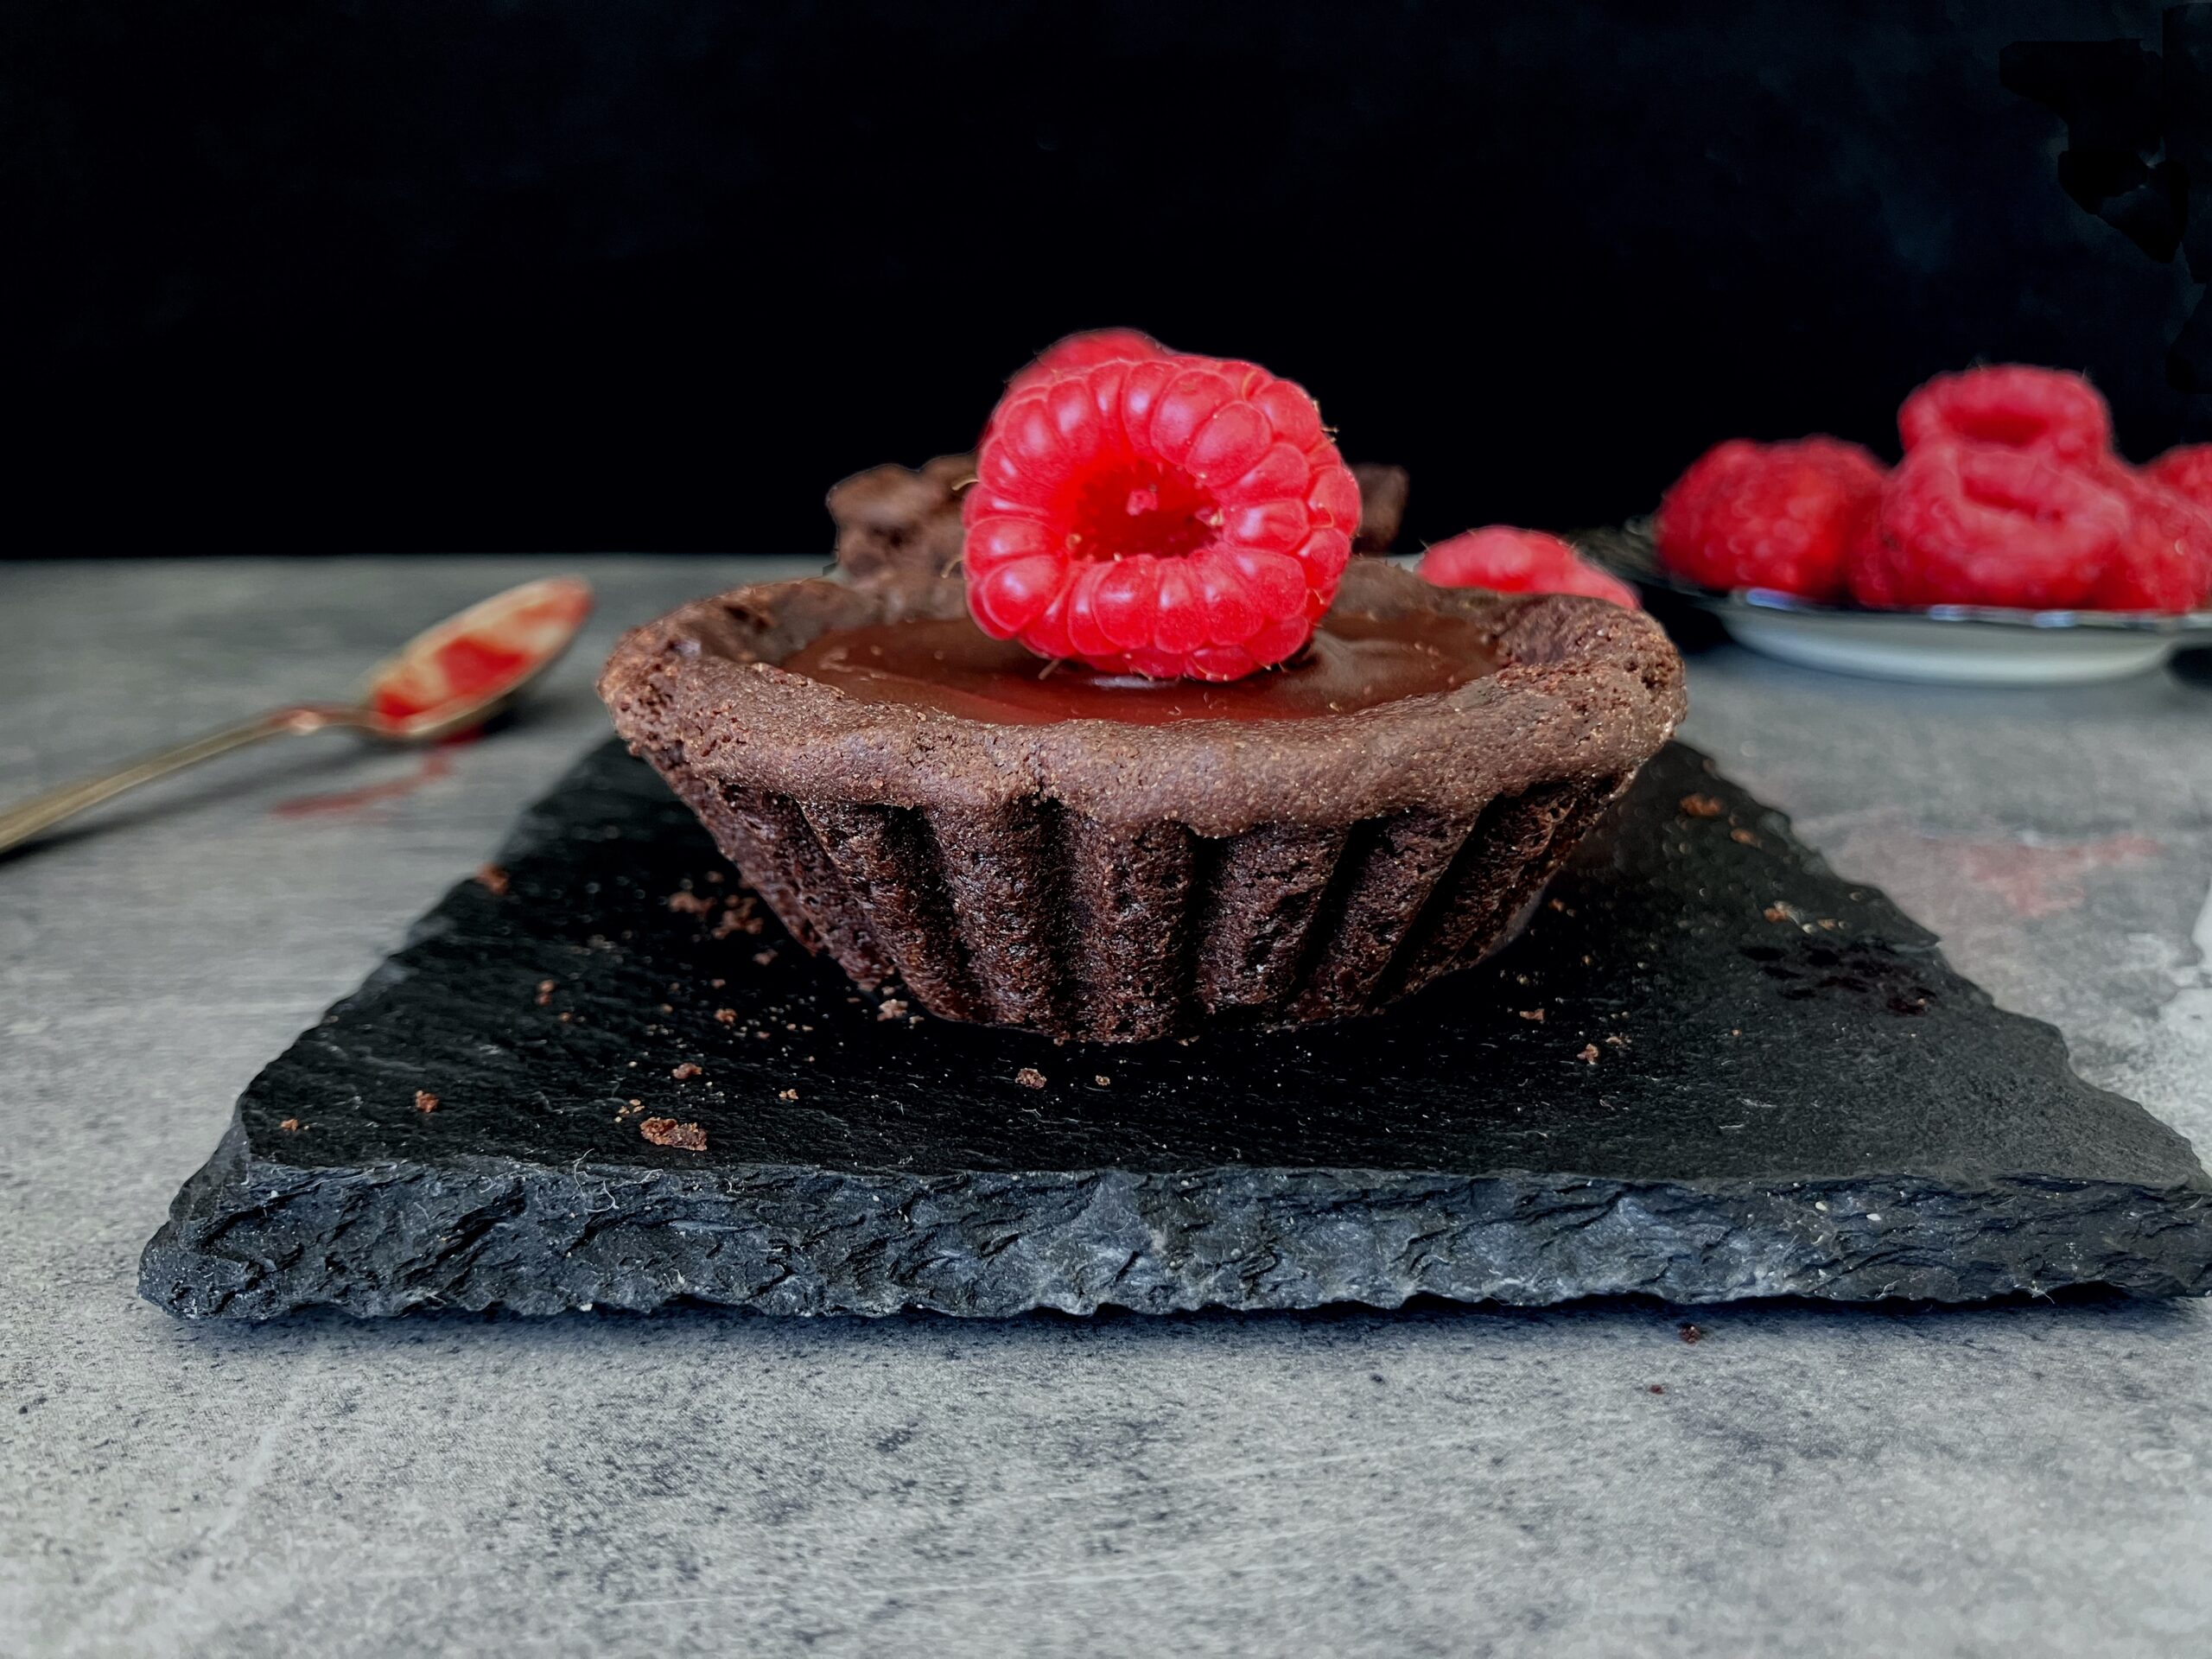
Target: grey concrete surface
point(2003, 1481)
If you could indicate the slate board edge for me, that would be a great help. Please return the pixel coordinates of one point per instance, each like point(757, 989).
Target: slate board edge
point(253, 1240)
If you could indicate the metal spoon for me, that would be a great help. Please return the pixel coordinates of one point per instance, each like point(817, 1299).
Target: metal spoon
point(447, 680)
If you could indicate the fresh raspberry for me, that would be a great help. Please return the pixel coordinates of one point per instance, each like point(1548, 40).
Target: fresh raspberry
point(2186, 470)
point(1782, 516)
point(2012, 404)
point(1167, 516)
point(2164, 562)
point(1510, 561)
point(1977, 524)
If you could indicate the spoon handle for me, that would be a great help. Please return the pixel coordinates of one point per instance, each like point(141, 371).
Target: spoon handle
point(41, 812)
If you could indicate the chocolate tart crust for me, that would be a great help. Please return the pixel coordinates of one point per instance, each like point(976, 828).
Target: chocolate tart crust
point(1118, 882)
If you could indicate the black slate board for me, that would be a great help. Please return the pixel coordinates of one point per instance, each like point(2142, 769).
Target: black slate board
point(1751, 1078)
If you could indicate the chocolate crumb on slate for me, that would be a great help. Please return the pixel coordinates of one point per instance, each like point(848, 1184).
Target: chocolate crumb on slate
point(492, 880)
point(1692, 1333)
point(686, 1071)
point(1382, 504)
point(425, 1101)
point(725, 1016)
point(291, 1125)
point(1589, 1054)
point(1703, 806)
point(1030, 1077)
point(787, 1094)
point(667, 1132)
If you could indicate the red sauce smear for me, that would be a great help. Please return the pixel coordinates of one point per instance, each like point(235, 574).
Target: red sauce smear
point(483, 652)
point(436, 765)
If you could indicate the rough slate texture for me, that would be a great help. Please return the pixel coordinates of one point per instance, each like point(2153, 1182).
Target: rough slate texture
point(1787, 1092)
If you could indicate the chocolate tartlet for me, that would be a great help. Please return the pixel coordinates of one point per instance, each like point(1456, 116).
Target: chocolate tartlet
point(1040, 846)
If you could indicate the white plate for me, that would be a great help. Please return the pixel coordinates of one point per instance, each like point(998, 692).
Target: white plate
point(1947, 645)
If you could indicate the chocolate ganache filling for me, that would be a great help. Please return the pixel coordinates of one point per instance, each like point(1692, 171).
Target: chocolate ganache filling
point(1353, 662)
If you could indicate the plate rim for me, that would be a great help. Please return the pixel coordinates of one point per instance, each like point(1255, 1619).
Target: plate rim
point(1627, 550)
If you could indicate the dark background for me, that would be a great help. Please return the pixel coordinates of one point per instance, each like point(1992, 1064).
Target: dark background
point(563, 275)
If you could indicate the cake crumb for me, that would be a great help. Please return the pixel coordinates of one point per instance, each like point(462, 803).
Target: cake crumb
point(1776, 912)
point(545, 987)
point(492, 880)
point(688, 903)
point(786, 1094)
point(1589, 1056)
point(564, 1016)
point(1743, 838)
point(1693, 1334)
point(291, 1125)
point(1104, 1081)
point(1658, 1388)
point(1536, 1014)
point(760, 959)
point(1702, 806)
point(725, 1016)
point(425, 1101)
point(717, 983)
point(667, 1132)
point(891, 1008)
point(686, 1071)
point(1030, 1077)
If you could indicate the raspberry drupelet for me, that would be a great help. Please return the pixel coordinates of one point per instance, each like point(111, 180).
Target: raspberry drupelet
point(1171, 516)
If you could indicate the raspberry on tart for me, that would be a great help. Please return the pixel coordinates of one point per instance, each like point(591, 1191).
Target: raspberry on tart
point(1781, 515)
point(1170, 516)
point(1507, 560)
point(2013, 406)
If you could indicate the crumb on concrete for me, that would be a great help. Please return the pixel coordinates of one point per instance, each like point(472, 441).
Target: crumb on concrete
point(290, 1126)
point(686, 1071)
point(1589, 1055)
point(545, 989)
point(492, 880)
point(1104, 1081)
point(1743, 838)
point(667, 1132)
point(1693, 1334)
point(1777, 913)
point(1536, 1014)
point(786, 1094)
point(725, 1016)
point(425, 1101)
point(1703, 806)
point(891, 1008)
point(760, 959)
point(1030, 1077)
point(688, 903)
